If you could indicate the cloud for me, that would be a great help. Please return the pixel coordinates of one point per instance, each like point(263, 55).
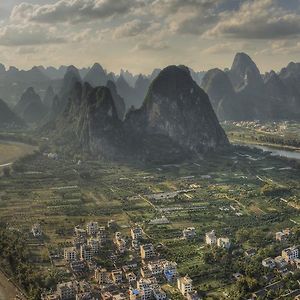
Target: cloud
point(130, 29)
point(258, 19)
point(226, 48)
point(28, 35)
point(72, 11)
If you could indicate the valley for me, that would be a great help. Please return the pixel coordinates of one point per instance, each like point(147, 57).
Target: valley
point(244, 194)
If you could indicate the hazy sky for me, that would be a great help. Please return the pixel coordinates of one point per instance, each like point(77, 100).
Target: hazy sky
point(140, 35)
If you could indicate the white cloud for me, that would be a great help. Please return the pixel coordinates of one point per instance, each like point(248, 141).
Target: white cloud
point(258, 19)
point(131, 28)
point(28, 35)
point(72, 11)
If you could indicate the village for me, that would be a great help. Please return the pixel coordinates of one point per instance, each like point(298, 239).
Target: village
point(137, 270)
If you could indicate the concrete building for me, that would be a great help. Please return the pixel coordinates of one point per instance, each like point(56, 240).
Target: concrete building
point(67, 290)
point(117, 276)
point(92, 228)
point(290, 254)
point(86, 252)
point(136, 233)
point(95, 245)
point(268, 263)
point(189, 233)
point(37, 230)
point(70, 254)
point(185, 285)
point(102, 276)
point(170, 270)
point(210, 238)
point(147, 251)
point(223, 242)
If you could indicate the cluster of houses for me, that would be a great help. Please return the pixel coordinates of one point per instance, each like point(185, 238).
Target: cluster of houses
point(141, 278)
point(288, 257)
point(212, 240)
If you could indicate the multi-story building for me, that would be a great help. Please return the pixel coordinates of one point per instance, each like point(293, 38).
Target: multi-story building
point(189, 233)
point(70, 254)
point(170, 270)
point(223, 242)
point(144, 286)
point(79, 232)
point(280, 262)
point(67, 290)
point(156, 267)
point(94, 243)
point(210, 238)
point(117, 276)
point(131, 277)
point(92, 228)
point(147, 251)
point(102, 276)
point(102, 236)
point(290, 254)
point(185, 285)
point(86, 252)
point(158, 293)
point(136, 233)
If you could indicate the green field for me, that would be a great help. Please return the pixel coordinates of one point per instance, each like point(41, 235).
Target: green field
point(238, 194)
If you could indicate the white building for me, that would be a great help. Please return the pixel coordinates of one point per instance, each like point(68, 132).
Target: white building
point(94, 243)
point(210, 238)
point(147, 251)
point(223, 243)
point(36, 230)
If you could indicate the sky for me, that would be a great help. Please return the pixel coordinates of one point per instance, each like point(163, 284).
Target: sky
point(140, 35)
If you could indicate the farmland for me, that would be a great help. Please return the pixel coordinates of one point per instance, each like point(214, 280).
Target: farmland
point(238, 194)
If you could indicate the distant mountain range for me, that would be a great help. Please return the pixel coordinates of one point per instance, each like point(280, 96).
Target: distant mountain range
point(238, 93)
point(176, 119)
point(242, 93)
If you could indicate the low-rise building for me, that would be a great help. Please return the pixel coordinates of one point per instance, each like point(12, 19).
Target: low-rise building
point(268, 263)
point(37, 230)
point(223, 242)
point(210, 238)
point(189, 233)
point(185, 285)
point(280, 262)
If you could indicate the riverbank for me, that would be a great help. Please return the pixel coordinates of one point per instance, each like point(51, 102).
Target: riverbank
point(274, 151)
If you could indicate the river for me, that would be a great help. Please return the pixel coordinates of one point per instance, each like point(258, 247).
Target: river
point(277, 152)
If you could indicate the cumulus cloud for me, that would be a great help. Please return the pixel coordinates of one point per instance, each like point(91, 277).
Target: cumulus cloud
point(28, 35)
point(258, 19)
point(131, 28)
point(72, 11)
